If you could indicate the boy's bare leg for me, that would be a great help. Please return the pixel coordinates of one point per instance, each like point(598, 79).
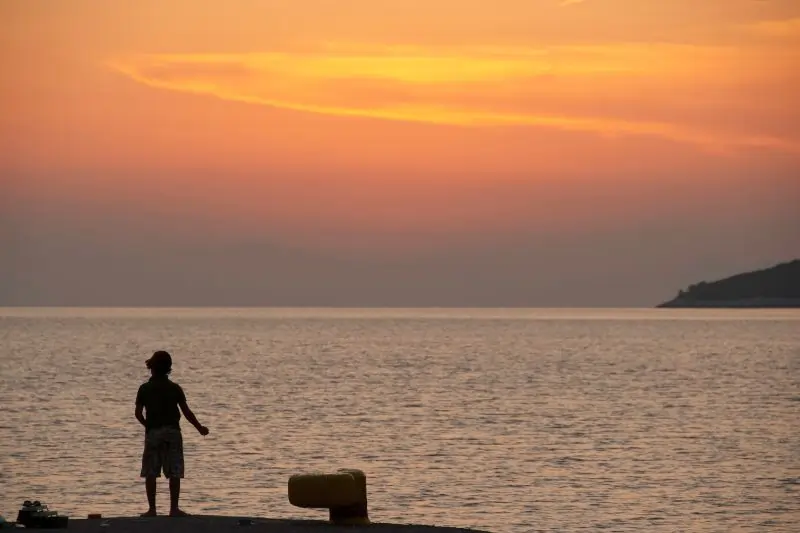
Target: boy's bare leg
point(175, 496)
point(150, 487)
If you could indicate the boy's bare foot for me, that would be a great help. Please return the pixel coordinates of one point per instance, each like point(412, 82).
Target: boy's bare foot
point(177, 512)
point(150, 512)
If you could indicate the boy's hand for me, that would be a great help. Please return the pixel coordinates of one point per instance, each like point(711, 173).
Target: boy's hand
point(203, 430)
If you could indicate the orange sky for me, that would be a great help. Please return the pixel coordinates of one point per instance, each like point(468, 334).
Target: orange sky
point(397, 124)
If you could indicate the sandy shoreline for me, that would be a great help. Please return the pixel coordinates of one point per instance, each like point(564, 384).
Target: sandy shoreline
point(222, 524)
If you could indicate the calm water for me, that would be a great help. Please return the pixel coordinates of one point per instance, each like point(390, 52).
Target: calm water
point(506, 420)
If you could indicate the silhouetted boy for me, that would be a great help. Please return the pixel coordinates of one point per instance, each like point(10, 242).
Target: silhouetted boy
point(160, 399)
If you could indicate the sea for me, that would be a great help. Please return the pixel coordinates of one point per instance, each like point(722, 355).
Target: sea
point(504, 420)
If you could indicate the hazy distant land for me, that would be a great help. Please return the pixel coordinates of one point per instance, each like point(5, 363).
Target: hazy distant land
point(774, 287)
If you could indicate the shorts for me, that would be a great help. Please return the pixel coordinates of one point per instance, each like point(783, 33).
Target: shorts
point(163, 450)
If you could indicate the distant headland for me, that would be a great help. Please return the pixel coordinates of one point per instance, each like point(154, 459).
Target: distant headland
point(774, 287)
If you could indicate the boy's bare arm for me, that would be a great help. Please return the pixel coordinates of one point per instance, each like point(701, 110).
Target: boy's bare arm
point(140, 415)
point(192, 419)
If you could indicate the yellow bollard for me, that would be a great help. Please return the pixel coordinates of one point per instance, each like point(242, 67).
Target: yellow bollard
point(343, 493)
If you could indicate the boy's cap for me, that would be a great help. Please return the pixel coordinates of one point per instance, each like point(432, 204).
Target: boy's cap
point(159, 358)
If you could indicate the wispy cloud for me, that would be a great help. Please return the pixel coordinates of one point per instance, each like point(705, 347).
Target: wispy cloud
point(570, 2)
point(483, 86)
point(780, 29)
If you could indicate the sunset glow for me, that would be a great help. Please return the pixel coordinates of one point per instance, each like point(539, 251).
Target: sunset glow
point(490, 86)
point(405, 130)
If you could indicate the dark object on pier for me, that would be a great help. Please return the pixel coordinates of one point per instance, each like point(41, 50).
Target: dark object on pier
point(35, 515)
